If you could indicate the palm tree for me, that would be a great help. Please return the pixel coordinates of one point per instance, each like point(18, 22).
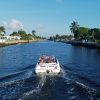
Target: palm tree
point(2, 29)
point(74, 28)
point(33, 32)
point(57, 37)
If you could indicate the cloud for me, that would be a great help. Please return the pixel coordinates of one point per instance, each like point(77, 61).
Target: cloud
point(13, 24)
point(60, 1)
point(39, 27)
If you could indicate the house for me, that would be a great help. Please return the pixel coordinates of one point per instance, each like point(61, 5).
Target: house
point(3, 39)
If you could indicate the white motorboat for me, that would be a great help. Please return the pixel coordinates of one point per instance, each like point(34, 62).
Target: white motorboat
point(47, 65)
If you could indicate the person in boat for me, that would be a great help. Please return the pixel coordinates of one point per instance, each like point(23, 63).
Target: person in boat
point(49, 60)
point(44, 59)
point(54, 60)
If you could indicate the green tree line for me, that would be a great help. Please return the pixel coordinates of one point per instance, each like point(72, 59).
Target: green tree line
point(58, 37)
point(22, 34)
point(84, 32)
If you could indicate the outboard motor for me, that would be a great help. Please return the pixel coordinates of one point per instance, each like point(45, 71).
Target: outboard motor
point(48, 71)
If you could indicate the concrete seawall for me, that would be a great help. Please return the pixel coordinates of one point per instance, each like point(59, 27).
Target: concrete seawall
point(88, 45)
point(15, 42)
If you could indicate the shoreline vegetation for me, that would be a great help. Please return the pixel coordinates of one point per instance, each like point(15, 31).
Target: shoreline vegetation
point(22, 37)
point(81, 36)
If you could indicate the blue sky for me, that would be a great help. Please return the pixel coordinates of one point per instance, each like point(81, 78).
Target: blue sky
point(48, 17)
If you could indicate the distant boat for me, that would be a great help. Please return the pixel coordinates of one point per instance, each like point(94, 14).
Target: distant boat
point(47, 65)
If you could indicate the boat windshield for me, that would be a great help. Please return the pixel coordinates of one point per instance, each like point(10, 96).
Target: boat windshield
point(47, 59)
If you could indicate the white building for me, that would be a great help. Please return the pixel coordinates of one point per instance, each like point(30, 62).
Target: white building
point(8, 38)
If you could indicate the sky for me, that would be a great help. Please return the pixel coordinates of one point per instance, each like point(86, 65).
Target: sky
point(48, 17)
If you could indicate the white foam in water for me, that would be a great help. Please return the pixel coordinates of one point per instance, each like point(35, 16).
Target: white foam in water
point(84, 86)
point(63, 72)
point(64, 75)
point(28, 93)
point(72, 97)
point(41, 82)
point(28, 74)
point(37, 89)
point(20, 99)
point(71, 90)
point(8, 83)
point(91, 92)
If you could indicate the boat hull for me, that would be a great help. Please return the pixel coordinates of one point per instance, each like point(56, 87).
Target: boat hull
point(47, 68)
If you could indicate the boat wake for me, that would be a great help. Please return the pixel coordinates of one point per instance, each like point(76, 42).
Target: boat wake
point(32, 93)
point(86, 88)
point(13, 87)
point(25, 85)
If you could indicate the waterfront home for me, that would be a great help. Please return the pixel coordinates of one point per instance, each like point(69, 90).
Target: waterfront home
point(3, 39)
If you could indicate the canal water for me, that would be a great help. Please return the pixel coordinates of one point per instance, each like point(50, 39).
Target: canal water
point(79, 79)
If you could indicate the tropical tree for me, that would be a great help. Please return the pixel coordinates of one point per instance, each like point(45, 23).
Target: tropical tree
point(51, 38)
point(57, 37)
point(83, 32)
point(92, 32)
point(2, 29)
point(97, 34)
point(14, 34)
point(23, 34)
point(61, 37)
point(74, 28)
point(33, 33)
point(29, 37)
